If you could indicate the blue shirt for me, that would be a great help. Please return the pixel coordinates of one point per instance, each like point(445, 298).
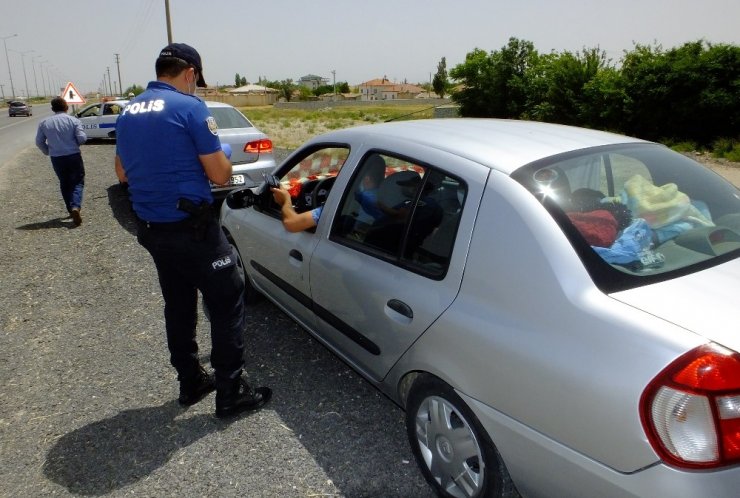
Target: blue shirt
point(60, 135)
point(159, 136)
point(316, 214)
point(368, 200)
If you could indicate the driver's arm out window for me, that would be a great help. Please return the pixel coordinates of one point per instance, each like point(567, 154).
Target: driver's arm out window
point(308, 171)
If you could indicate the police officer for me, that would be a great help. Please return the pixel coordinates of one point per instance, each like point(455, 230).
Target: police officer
point(168, 150)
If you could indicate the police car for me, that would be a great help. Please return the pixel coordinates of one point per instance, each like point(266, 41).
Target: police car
point(99, 120)
point(251, 149)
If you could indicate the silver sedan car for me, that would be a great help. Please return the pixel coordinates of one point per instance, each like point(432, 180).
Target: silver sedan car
point(555, 308)
point(251, 149)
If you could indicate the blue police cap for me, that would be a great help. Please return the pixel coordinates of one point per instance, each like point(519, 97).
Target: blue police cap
point(189, 55)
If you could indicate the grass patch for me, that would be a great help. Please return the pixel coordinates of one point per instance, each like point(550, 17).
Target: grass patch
point(726, 148)
point(289, 128)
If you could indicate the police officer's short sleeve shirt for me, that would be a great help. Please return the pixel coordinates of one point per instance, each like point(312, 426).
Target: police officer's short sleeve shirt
point(159, 136)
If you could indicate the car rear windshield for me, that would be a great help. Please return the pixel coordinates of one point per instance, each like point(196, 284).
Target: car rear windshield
point(228, 117)
point(638, 213)
point(17, 104)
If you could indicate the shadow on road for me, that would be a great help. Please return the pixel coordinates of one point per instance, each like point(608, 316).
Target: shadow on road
point(120, 206)
point(52, 223)
point(115, 452)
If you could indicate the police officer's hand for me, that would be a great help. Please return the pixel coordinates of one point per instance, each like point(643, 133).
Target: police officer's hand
point(227, 150)
point(281, 195)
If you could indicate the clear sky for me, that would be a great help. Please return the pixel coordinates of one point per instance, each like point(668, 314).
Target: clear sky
point(76, 40)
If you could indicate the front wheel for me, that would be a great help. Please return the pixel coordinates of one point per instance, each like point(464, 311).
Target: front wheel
point(251, 295)
point(453, 451)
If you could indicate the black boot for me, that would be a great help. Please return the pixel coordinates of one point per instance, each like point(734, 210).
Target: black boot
point(196, 387)
point(237, 397)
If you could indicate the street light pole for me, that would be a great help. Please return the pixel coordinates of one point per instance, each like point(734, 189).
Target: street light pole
point(12, 89)
point(23, 63)
point(35, 81)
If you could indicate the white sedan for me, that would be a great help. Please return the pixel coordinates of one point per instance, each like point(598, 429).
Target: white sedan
point(555, 308)
point(99, 120)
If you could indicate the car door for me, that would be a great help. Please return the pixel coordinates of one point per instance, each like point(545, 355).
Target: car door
point(378, 284)
point(108, 117)
point(275, 259)
point(89, 117)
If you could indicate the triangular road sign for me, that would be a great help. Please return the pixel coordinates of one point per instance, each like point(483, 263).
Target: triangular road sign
point(71, 95)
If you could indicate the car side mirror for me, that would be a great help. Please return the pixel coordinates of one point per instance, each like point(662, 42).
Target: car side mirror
point(242, 198)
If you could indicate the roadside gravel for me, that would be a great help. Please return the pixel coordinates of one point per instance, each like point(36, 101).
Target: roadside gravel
point(89, 399)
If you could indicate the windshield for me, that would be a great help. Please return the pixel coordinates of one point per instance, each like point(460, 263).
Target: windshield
point(228, 117)
point(638, 212)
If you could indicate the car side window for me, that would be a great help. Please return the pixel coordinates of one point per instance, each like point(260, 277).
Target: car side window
point(311, 177)
point(109, 109)
point(403, 212)
point(90, 111)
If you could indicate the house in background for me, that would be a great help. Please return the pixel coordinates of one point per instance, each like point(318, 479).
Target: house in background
point(312, 82)
point(384, 89)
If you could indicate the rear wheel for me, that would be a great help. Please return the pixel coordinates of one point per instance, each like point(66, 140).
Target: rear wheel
point(456, 456)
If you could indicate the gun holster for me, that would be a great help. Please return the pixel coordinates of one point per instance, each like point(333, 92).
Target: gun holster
point(201, 215)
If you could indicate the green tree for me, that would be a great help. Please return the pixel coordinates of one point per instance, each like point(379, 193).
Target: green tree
point(496, 84)
point(237, 80)
point(342, 87)
point(285, 87)
point(440, 83)
point(135, 89)
point(566, 77)
point(686, 93)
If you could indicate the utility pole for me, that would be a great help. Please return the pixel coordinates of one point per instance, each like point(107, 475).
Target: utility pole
point(10, 75)
point(2, 89)
point(334, 75)
point(169, 23)
point(110, 87)
point(120, 85)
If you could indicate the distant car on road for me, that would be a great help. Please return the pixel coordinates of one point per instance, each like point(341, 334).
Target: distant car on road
point(555, 308)
point(19, 108)
point(251, 149)
point(99, 120)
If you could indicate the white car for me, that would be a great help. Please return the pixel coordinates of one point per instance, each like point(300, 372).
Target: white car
point(99, 120)
point(251, 150)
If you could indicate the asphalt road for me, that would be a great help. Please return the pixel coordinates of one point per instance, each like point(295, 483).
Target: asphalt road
point(89, 399)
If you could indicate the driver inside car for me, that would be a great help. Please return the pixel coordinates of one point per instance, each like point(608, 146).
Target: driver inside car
point(294, 221)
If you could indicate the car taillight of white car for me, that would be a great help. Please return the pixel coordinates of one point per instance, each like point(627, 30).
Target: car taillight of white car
point(691, 410)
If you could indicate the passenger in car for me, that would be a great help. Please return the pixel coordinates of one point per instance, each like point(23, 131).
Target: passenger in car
point(367, 193)
point(428, 215)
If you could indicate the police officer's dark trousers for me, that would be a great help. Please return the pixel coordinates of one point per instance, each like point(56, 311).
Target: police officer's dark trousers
point(184, 266)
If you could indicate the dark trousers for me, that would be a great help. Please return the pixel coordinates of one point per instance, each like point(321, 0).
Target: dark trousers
point(184, 266)
point(71, 173)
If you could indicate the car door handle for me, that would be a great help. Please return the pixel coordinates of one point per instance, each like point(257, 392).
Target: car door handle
point(296, 254)
point(401, 307)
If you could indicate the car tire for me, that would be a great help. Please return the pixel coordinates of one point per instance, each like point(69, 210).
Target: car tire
point(251, 295)
point(436, 442)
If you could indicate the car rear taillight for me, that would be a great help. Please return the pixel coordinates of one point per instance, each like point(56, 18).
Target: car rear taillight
point(263, 146)
point(691, 410)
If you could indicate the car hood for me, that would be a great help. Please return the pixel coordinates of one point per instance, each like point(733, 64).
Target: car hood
point(705, 302)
